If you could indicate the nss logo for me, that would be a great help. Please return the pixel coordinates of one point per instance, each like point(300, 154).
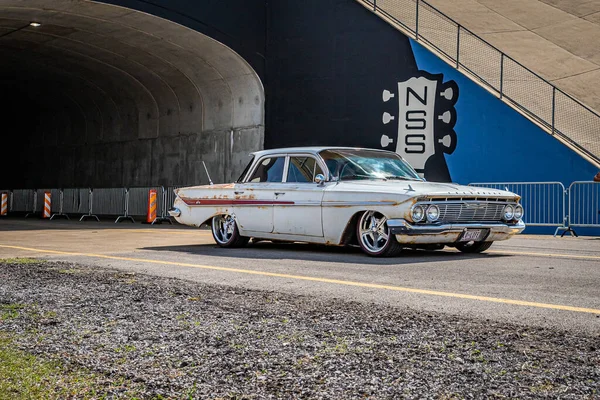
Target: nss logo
point(426, 119)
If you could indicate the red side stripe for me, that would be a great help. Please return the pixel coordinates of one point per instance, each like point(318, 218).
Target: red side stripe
point(232, 202)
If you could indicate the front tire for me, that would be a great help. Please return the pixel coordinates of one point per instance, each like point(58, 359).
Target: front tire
point(374, 235)
point(474, 247)
point(225, 232)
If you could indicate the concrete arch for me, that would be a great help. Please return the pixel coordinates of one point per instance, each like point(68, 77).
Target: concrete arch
point(133, 99)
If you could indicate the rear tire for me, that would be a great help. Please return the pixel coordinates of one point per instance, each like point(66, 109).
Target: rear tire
point(474, 247)
point(225, 232)
point(374, 236)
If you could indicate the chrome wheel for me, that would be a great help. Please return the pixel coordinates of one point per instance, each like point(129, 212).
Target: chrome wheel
point(374, 235)
point(223, 228)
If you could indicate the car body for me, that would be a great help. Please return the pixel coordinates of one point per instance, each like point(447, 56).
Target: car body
point(348, 196)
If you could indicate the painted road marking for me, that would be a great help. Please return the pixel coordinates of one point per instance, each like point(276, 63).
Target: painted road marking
point(326, 280)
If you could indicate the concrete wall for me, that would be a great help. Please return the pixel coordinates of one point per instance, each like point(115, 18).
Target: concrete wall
point(130, 93)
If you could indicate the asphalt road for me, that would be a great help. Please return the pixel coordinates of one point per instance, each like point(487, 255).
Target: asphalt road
point(533, 280)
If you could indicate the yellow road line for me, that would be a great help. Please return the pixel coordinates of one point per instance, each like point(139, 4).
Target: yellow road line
point(326, 280)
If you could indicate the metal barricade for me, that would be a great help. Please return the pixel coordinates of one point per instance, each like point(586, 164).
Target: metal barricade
point(74, 201)
point(138, 202)
point(544, 203)
point(23, 200)
point(584, 206)
point(169, 200)
point(110, 202)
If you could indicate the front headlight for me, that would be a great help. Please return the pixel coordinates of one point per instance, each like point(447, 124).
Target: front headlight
point(509, 212)
point(417, 213)
point(433, 213)
point(518, 212)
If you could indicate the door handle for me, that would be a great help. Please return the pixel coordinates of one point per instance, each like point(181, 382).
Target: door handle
point(279, 193)
point(240, 192)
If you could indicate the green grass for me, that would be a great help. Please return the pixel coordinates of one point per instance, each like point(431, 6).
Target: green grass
point(21, 261)
point(24, 376)
point(9, 311)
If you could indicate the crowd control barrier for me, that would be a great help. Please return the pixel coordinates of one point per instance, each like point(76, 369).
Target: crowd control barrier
point(138, 202)
point(169, 200)
point(111, 202)
point(584, 206)
point(544, 203)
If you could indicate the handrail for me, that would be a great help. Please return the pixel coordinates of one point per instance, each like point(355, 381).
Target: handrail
point(557, 114)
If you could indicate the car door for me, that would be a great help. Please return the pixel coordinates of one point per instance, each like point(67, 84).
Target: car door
point(297, 207)
point(254, 198)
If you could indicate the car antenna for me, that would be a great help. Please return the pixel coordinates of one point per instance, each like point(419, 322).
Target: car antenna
point(207, 174)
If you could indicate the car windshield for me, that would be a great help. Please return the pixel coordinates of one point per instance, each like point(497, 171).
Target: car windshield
point(367, 164)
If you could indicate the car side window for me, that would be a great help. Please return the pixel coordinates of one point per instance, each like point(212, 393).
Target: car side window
point(269, 169)
point(303, 169)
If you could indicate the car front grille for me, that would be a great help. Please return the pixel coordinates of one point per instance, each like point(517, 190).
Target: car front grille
point(470, 211)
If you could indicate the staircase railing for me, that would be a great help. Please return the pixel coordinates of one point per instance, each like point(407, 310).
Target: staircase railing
point(559, 113)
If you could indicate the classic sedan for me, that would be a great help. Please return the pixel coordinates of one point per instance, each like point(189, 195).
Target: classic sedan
point(348, 196)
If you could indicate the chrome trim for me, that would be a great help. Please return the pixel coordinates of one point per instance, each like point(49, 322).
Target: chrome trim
point(174, 212)
point(403, 227)
point(466, 211)
point(359, 203)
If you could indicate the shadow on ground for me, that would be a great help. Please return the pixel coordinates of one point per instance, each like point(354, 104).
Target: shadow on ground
point(320, 253)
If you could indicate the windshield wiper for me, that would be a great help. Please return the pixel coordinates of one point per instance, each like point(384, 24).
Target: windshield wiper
point(401, 178)
point(359, 177)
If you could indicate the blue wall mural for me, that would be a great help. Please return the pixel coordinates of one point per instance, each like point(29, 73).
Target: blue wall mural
point(496, 143)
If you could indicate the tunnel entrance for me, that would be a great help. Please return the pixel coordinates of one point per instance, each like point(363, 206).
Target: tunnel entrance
point(98, 95)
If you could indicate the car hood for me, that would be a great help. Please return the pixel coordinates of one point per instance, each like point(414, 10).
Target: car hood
point(420, 188)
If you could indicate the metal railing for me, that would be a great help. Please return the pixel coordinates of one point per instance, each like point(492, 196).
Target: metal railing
point(544, 203)
point(89, 203)
point(556, 111)
point(584, 206)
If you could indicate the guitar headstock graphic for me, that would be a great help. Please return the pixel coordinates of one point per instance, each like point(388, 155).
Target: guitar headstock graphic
point(425, 119)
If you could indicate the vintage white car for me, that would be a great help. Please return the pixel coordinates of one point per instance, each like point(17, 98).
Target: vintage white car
point(348, 196)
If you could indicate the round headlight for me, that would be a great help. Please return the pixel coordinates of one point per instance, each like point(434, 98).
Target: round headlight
point(518, 212)
point(418, 213)
point(433, 213)
point(509, 212)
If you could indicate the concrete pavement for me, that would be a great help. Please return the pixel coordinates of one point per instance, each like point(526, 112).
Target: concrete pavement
point(533, 280)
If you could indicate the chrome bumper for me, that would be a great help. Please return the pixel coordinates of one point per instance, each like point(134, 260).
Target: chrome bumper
point(449, 233)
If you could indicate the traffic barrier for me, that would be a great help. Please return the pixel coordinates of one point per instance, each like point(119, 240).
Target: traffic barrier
point(23, 200)
point(111, 202)
point(139, 202)
point(544, 203)
point(4, 204)
point(90, 207)
point(47, 208)
point(60, 212)
point(169, 200)
point(74, 201)
point(151, 215)
point(584, 206)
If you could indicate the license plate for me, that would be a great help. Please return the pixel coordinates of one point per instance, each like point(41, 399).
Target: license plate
point(470, 235)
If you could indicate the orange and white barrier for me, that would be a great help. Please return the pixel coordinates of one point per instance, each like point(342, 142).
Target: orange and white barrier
point(152, 201)
point(4, 208)
point(47, 205)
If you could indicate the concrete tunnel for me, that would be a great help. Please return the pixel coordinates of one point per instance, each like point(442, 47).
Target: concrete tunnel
point(100, 95)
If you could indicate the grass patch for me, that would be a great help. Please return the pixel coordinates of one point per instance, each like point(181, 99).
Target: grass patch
point(21, 261)
point(24, 376)
point(10, 311)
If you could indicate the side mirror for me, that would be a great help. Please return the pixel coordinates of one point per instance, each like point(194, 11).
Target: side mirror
point(319, 179)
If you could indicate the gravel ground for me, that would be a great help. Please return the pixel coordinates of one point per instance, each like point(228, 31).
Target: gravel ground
point(181, 339)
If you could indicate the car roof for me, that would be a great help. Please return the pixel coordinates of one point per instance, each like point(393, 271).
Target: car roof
point(309, 149)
